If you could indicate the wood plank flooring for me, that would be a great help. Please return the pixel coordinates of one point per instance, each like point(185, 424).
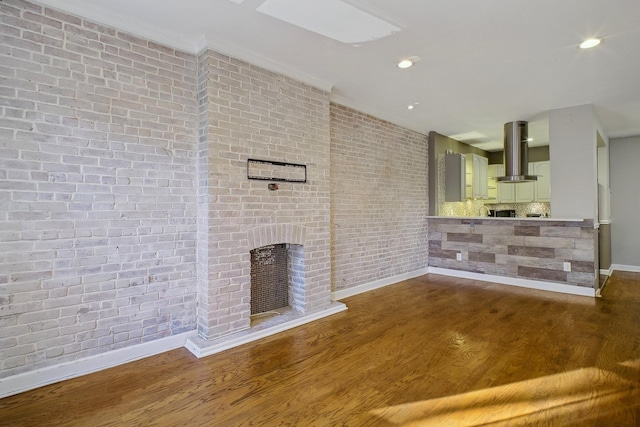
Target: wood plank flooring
point(430, 351)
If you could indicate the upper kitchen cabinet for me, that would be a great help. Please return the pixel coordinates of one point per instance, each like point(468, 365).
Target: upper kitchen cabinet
point(520, 192)
point(477, 175)
point(526, 192)
point(492, 183)
point(506, 191)
point(542, 189)
point(455, 180)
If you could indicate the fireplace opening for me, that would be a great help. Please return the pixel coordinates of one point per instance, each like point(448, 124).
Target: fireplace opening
point(269, 278)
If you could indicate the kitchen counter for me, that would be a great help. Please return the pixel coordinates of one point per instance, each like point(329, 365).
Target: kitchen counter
point(547, 253)
point(507, 218)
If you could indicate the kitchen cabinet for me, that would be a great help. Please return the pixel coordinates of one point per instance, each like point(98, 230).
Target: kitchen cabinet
point(492, 183)
point(506, 192)
point(476, 179)
point(526, 192)
point(542, 189)
point(454, 178)
point(521, 192)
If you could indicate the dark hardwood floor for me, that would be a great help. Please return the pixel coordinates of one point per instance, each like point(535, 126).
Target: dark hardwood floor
point(430, 351)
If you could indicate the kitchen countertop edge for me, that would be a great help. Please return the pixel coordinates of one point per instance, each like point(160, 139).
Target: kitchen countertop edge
point(507, 218)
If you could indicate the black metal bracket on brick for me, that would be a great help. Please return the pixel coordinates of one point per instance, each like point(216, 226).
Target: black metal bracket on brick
point(267, 170)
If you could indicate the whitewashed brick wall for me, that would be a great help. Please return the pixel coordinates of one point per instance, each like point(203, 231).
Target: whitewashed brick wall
point(248, 112)
point(378, 198)
point(124, 199)
point(97, 188)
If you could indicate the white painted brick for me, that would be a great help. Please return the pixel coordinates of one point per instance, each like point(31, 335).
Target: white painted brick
point(378, 173)
point(62, 163)
point(102, 164)
point(237, 135)
point(54, 343)
point(10, 363)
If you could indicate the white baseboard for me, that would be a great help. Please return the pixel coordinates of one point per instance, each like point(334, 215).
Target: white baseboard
point(345, 293)
point(514, 281)
point(76, 368)
point(606, 272)
point(202, 348)
point(621, 267)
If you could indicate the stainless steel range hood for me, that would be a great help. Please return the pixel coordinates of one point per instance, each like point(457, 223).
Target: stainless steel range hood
point(516, 153)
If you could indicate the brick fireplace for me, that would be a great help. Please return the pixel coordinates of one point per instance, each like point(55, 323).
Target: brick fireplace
point(246, 112)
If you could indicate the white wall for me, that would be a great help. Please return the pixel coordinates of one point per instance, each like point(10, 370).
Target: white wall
point(625, 209)
point(573, 154)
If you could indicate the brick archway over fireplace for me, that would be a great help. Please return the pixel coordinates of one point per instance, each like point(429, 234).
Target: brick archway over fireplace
point(276, 233)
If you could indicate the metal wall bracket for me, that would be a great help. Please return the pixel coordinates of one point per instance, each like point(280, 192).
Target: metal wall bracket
point(266, 170)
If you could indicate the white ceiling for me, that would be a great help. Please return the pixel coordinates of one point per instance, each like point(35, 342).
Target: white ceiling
point(483, 63)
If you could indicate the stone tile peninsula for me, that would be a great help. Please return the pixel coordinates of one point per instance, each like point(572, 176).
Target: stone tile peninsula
point(543, 253)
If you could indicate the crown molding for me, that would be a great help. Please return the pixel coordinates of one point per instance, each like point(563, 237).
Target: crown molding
point(261, 61)
point(176, 41)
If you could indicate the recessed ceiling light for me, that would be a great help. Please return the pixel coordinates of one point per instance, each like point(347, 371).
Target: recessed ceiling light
point(406, 63)
point(589, 43)
point(411, 107)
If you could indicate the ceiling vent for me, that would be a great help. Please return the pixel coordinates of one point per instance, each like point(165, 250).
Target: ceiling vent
point(516, 153)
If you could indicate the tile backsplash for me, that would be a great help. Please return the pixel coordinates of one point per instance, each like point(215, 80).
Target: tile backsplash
point(472, 208)
point(522, 209)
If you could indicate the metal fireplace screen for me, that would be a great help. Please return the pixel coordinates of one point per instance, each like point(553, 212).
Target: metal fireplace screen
point(269, 278)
